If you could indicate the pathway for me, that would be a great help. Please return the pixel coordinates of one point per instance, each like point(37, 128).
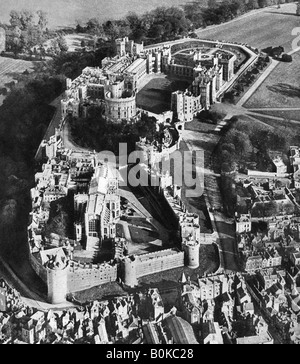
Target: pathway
point(29, 297)
point(258, 83)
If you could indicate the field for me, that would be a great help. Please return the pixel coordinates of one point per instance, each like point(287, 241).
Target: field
point(270, 27)
point(8, 70)
point(62, 13)
point(281, 88)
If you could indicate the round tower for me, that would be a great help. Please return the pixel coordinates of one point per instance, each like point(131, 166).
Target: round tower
point(130, 278)
point(191, 254)
point(57, 282)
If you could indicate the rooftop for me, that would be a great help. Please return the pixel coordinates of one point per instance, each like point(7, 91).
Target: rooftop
point(181, 331)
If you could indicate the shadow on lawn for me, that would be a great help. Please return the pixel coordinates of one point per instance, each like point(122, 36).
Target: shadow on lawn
point(285, 89)
point(281, 13)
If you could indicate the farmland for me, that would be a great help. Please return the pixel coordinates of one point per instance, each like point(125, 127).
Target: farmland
point(9, 68)
point(262, 29)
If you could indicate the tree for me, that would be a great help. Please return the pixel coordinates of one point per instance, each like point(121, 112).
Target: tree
point(54, 47)
point(94, 27)
point(138, 31)
point(111, 30)
point(43, 19)
point(212, 4)
point(62, 44)
point(253, 4)
point(193, 12)
point(15, 20)
point(15, 44)
point(26, 18)
point(241, 142)
point(9, 212)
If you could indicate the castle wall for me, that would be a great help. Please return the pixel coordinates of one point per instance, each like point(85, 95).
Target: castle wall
point(84, 278)
point(156, 263)
point(73, 279)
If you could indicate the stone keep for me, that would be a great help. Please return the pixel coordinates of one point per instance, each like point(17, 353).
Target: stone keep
point(2, 40)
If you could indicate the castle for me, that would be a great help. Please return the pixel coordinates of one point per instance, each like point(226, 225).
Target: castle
point(94, 188)
point(208, 68)
point(65, 260)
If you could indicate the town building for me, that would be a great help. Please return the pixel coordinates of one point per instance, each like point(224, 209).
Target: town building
point(212, 334)
point(179, 331)
point(243, 224)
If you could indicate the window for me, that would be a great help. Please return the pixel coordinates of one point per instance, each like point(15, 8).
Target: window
point(93, 225)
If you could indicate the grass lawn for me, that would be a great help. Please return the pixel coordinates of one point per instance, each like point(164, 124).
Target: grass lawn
point(288, 115)
point(102, 292)
point(10, 68)
point(281, 88)
point(271, 27)
point(200, 126)
point(142, 236)
point(277, 123)
point(156, 95)
point(74, 41)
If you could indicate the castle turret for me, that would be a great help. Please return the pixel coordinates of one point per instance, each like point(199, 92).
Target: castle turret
point(129, 275)
point(57, 282)
point(191, 253)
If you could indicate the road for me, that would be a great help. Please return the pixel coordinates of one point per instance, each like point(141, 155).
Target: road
point(30, 298)
point(221, 224)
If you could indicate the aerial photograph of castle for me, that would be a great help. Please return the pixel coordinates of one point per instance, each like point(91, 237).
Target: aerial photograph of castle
point(150, 174)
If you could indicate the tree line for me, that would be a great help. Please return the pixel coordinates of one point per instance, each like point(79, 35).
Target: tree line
point(27, 32)
point(24, 118)
point(168, 23)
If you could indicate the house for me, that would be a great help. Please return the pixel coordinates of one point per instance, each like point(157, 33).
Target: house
point(295, 258)
point(254, 263)
point(211, 333)
point(151, 335)
point(281, 168)
point(243, 224)
point(179, 330)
